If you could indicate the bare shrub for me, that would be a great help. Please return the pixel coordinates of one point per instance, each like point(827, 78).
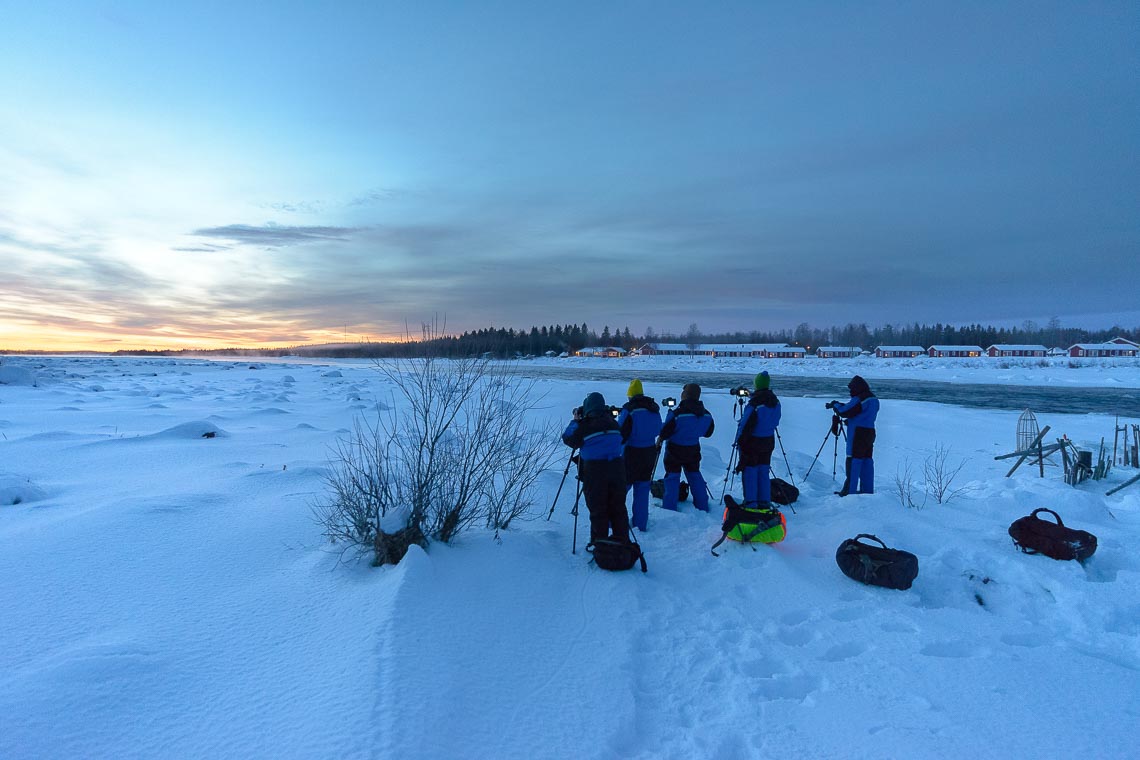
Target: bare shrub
point(940, 475)
point(456, 449)
point(905, 487)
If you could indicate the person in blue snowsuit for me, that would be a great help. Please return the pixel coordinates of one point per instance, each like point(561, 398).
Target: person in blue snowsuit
point(639, 422)
point(756, 440)
point(685, 426)
point(596, 435)
point(860, 413)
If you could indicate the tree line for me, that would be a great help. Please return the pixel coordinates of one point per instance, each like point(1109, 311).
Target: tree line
point(505, 342)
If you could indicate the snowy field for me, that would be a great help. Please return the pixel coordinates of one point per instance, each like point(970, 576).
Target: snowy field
point(169, 595)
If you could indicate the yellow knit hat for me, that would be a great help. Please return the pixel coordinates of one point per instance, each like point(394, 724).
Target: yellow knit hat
point(635, 388)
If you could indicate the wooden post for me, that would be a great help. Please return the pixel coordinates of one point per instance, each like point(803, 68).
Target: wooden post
point(1035, 445)
point(1116, 434)
point(1122, 485)
point(1047, 449)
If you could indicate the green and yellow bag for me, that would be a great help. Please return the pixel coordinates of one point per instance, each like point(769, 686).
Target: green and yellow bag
point(764, 526)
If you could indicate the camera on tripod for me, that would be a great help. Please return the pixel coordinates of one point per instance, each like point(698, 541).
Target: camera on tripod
point(578, 414)
point(741, 391)
point(669, 403)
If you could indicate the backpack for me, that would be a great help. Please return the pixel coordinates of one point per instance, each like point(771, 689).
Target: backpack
point(657, 490)
point(876, 565)
point(765, 526)
point(616, 555)
point(784, 492)
point(1036, 536)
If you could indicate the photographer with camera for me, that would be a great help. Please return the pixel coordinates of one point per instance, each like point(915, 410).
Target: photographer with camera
point(639, 422)
point(860, 413)
point(756, 440)
point(683, 429)
point(596, 435)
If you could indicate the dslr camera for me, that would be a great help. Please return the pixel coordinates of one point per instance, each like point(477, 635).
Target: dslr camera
point(741, 391)
point(669, 403)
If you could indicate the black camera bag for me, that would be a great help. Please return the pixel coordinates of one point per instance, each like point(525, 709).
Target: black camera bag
point(876, 565)
point(616, 555)
point(784, 492)
point(1036, 536)
point(657, 490)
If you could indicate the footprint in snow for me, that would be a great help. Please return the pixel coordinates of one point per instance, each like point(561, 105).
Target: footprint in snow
point(795, 617)
point(848, 614)
point(899, 626)
point(1029, 639)
point(952, 648)
point(797, 637)
point(797, 687)
point(845, 651)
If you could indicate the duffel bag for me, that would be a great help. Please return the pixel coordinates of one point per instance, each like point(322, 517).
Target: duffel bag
point(616, 555)
point(1033, 535)
point(784, 492)
point(876, 565)
point(657, 490)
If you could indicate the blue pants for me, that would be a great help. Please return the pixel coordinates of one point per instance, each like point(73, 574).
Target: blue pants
point(757, 483)
point(697, 489)
point(862, 476)
point(640, 504)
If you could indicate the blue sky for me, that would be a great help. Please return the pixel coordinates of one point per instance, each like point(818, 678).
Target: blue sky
point(236, 173)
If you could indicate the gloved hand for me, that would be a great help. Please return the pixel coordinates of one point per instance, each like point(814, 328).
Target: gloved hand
point(829, 405)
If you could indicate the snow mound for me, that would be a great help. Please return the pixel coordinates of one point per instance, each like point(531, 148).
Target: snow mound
point(334, 373)
point(17, 376)
point(196, 429)
point(16, 489)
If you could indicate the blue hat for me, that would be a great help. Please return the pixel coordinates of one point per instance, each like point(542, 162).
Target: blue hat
point(594, 403)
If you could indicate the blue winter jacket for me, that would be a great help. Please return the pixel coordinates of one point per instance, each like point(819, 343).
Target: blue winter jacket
point(597, 437)
point(640, 422)
point(761, 416)
point(687, 423)
point(860, 412)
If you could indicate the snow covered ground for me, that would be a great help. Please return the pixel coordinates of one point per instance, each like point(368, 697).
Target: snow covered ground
point(165, 594)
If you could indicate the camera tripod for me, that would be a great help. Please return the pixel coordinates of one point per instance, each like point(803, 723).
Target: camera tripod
point(835, 430)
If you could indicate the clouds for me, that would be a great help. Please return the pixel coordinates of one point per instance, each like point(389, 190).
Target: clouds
point(273, 235)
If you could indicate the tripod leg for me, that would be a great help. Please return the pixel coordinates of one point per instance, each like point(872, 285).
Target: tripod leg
point(781, 441)
point(577, 496)
point(559, 491)
point(724, 485)
point(817, 456)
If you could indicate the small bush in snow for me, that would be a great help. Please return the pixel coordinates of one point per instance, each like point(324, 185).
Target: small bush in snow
point(905, 487)
point(456, 450)
point(939, 475)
